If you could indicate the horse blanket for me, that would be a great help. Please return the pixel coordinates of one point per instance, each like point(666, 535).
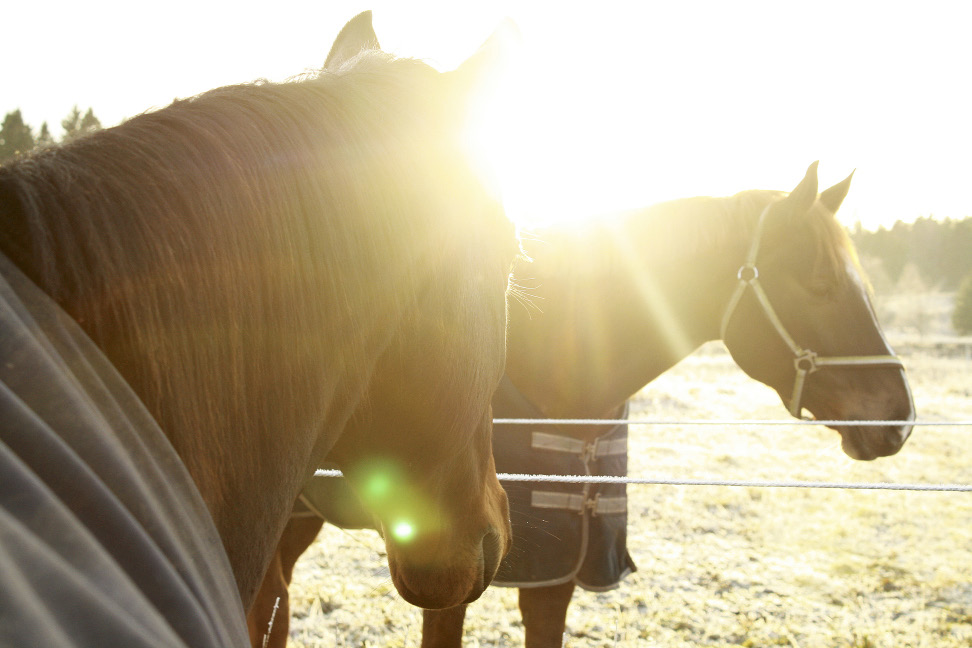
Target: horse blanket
point(104, 538)
point(561, 532)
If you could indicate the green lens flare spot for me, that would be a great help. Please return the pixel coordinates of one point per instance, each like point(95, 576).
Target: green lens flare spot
point(403, 531)
point(378, 487)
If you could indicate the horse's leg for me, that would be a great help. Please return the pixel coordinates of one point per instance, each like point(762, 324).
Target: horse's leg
point(297, 536)
point(544, 611)
point(443, 628)
point(262, 611)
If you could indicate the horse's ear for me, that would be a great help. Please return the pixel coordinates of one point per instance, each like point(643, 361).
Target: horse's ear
point(482, 70)
point(805, 194)
point(833, 197)
point(356, 36)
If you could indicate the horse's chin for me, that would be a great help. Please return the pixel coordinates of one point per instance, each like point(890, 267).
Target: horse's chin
point(437, 588)
point(869, 443)
point(865, 442)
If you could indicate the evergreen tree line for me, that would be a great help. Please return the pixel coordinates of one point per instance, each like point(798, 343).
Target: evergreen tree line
point(939, 250)
point(925, 256)
point(16, 135)
point(962, 315)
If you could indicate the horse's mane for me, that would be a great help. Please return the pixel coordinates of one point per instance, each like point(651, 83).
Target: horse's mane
point(94, 224)
point(668, 232)
point(237, 153)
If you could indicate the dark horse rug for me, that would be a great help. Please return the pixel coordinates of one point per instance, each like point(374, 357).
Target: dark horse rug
point(104, 538)
point(561, 531)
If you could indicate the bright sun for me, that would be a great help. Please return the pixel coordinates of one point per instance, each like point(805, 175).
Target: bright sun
point(561, 156)
point(539, 154)
point(534, 179)
point(570, 141)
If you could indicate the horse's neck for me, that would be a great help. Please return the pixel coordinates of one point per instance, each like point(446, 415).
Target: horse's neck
point(597, 342)
point(248, 450)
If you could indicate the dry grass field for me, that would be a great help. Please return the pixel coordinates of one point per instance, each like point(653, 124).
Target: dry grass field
point(728, 566)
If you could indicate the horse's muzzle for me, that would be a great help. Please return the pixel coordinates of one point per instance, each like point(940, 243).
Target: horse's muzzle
point(436, 586)
point(868, 443)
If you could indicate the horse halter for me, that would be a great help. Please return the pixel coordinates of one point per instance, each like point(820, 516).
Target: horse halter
point(805, 361)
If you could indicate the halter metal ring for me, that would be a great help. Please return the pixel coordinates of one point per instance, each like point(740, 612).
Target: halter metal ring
point(806, 362)
point(752, 269)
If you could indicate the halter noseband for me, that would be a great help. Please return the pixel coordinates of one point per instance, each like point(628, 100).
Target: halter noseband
point(805, 361)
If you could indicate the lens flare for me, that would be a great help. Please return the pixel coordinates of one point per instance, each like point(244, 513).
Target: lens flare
point(403, 531)
point(387, 492)
point(378, 486)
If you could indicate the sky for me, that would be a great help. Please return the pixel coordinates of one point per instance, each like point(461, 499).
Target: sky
point(607, 105)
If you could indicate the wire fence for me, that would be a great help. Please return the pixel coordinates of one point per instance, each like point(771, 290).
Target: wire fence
point(660, 481)
point(613, 422)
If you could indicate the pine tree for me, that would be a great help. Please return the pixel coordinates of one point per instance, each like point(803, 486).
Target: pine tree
point(89, 123)
point(15, 136)
point(71, 124)
point(962, 315)
point(44, 138)
point(75, 125)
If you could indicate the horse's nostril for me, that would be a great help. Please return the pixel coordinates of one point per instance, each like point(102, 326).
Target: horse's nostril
point(492, 554)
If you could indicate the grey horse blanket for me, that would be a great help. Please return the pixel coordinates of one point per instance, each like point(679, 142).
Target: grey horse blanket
point(104, 538)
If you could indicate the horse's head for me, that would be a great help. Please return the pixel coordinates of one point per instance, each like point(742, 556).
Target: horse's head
point(418, 450)
point(801, 321)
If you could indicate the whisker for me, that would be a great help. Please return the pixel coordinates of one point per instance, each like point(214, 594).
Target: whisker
point(526, 299)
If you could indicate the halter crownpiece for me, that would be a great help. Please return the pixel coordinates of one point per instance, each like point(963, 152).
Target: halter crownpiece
point(805, 361)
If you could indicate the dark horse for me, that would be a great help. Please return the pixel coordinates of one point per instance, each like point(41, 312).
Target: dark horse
point(624, 299)
point(202, 303)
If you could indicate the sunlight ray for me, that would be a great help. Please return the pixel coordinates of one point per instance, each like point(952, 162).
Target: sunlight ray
point(673, 331)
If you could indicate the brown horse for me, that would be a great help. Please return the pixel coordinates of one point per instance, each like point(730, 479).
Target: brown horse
point(279, 272)
point(620, 301)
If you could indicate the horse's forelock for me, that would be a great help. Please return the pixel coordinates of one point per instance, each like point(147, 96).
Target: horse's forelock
point(835, 249)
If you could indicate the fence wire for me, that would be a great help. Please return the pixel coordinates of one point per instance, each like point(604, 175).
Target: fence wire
point(659, 481)
point(724, 422)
